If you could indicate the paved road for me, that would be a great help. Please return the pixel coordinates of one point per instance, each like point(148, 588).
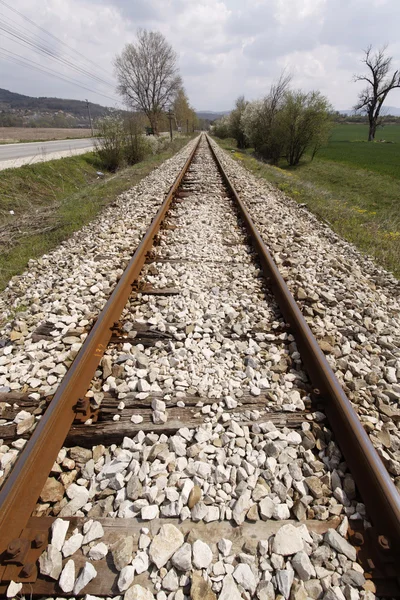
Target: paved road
point(15, 155)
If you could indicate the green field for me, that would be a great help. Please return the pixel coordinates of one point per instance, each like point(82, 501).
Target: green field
point(352, 184)
point(348, 144)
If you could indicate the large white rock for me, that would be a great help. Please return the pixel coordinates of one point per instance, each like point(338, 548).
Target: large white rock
point(13, 589)
point(182, 559)
point(284, 580)
point(87, 574)
point(287, 541)
point(229, 590)
point(80, 498)
point(95, 532)
point(225, 546)
point(59, 530)
point(338, 543)
point(168, 540)
point(67, 578)
point(303, 566)
point(72, 544)
point(141, 562)
point(150, 512)
point(125, 578)
point(244, 576)
point(202, 555)
point(266, 508)
point(98, 551)
point(171, 581)
point(137, 592)
point(242, 505)
point(50, 562)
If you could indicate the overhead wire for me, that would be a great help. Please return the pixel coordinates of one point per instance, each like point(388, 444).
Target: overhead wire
point(21, 60)
point(34, 41)
point(40, 39)
point(14, 10)
point(25, 41)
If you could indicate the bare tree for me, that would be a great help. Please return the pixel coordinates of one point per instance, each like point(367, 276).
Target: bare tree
point(379, 83)
point(148, 75)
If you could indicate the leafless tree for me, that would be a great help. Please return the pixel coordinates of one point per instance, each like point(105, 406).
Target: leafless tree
point(148, 75)
point(379, 83)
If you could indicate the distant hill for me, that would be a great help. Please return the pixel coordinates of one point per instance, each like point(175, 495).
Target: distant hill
point(19, 110)
point(209, 115)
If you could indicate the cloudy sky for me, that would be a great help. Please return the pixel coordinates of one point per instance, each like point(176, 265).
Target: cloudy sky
point(225, 47)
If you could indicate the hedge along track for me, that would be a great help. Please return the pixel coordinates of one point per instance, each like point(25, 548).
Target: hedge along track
point(28, 535)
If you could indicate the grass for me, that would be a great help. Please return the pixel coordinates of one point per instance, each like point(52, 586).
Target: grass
point(348, 144)
point(51, 200)
point(360, 203)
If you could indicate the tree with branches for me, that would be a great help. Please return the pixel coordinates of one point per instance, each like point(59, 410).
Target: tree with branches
point(379, 83)
point(148, 75)
point(185, 115)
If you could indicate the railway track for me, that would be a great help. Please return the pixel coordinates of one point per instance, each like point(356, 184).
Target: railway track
point(200, 407)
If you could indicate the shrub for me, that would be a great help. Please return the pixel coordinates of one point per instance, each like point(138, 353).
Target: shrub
point(221, 128)
point(306, 122)
point(110, 143)
point(135, 146)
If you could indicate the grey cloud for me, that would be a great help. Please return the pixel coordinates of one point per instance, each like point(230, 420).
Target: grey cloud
point(355, 24)
point(225, 47)
point(195, 64)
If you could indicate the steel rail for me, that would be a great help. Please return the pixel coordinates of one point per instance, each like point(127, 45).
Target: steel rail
point(21, 490)
point(373, 481)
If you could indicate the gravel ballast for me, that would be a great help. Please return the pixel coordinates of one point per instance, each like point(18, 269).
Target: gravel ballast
point(226, 341)
point(351, 304)
point(66, 289)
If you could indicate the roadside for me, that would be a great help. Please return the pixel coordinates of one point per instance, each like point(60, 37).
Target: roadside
point(360, 205)
point(41, 205)
point(12, 135)
point(13, 156)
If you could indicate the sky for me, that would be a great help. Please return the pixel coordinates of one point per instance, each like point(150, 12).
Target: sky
point(225, 48)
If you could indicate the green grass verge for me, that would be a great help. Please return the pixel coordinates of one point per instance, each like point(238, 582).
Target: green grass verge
point(51, 200)
point(359, 204)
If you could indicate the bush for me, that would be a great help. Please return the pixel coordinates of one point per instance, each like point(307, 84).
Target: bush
point(221, 128)
point(110, 144)
point(135, 146)
point(235, 123)
point(286, 123)
point(306, 123)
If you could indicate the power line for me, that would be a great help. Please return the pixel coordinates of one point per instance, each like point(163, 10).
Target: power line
point(25, 41)
point(43, 41)
point(50, 34)
point(20, 60)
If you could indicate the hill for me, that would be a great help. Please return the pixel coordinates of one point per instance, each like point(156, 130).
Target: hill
point(18, 110)
point(209, 115)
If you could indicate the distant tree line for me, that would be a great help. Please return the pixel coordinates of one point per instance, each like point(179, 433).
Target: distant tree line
point(284, 124)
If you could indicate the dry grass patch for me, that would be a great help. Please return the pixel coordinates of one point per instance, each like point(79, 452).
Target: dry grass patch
point(9, 135)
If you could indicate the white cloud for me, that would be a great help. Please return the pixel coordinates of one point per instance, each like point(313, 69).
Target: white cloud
point(226, 47)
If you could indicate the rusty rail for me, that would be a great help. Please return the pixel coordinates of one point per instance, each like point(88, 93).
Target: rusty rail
point(373, 481)
point(20, 492)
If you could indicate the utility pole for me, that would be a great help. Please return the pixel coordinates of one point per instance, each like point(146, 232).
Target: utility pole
point(90, 117)
point(170, 115)
point(187, 126)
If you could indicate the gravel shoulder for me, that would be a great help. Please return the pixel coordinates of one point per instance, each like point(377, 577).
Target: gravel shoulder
point(351, 304)
point(66, 289)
